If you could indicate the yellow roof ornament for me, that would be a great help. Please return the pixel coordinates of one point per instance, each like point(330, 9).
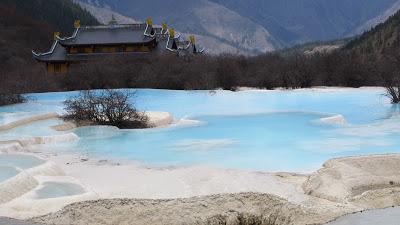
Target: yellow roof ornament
point(171, 32)
point(77, 24)
point(56, 35)
point(164, 26)
point(149, 22)
point(192, 39)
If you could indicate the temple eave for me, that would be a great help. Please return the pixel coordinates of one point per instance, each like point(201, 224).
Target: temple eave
point(90, 43)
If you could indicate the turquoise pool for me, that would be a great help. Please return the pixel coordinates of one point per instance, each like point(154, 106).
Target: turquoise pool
point(19, 161)
point(257, 130)
point(389, 216)
point(6, 172)
point(57, 190)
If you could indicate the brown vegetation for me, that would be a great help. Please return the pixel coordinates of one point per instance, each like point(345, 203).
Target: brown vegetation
point(209, 72)
point(9, 98)
point(105, 107)
point(393, 92)
point(224, 71)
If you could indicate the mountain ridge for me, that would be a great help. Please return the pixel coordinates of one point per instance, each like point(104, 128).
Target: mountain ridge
point(384, 39)
point(212, 23)
point(258, 26)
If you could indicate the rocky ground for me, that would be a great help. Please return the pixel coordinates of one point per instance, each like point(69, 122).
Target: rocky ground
point(342, 186)
point(8, 221)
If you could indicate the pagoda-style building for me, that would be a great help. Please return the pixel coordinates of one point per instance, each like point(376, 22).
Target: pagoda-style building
point(91, 42)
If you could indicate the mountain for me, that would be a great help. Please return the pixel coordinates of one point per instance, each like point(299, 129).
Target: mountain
point(256, 26)
point(105, 15)
point(366, 26)
point(299, 21)
point(382, 39)
point(217, 27)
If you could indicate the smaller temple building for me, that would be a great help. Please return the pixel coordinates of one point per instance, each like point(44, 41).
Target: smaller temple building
point(91, 42)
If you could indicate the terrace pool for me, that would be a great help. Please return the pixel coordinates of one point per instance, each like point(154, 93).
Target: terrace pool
point(19, 161)
point(6, 172)
point(389, 216)
point(58, 189)
point(34, 129)
point(261, 130)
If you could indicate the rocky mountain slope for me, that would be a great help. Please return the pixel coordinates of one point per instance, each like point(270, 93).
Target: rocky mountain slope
point(104, 15)
point(218, 28)
point(256, 26)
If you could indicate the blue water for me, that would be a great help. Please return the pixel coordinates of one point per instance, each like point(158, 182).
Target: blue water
point(7, 172)
point(389, 216)
point(56, 190)
point(36, 129)
point(19, 161)
point(268, 130)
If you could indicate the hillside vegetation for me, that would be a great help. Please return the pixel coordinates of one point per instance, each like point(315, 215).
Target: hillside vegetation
point(382, 40)
point(60, 14)
point(27, 25)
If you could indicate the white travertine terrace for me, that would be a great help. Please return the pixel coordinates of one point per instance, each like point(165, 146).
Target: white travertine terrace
point(334, 120)
point(159, 119)
point(28, 120)
point(342, 186)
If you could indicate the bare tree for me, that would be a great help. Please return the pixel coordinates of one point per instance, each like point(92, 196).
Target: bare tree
point(11, 98)
point(393, 89)
point(105, 107)
point(393, 92)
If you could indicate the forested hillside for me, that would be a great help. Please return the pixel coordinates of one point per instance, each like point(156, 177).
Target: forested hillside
point(59, 14)
point(27, 25)
point(382, 40)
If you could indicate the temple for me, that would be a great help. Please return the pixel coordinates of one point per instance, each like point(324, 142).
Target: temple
point(91, 42)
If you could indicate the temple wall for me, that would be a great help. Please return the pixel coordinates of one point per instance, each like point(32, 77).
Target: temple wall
point(57, 67)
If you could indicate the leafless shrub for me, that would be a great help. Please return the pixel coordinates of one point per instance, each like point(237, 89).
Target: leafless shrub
point(11, 98)
point(105, 107)
point(393, 92)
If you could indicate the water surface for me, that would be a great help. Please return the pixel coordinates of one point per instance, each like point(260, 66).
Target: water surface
point(389, 216)
point(58, 189)
point(6, 172)
point(19, 161)
point(261, 130)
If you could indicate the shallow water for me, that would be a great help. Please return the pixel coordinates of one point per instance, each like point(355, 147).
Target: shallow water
point(19, 161)
point(58, 189)
point(7, 172)
point(262, 130)
point(35, 129)
point(389, 216)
